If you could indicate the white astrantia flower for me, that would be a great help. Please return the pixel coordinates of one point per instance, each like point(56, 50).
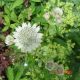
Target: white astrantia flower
point(50, 65)
point(59, 70)
point(57, 12)
point(59, 20)
point(27, 38)
point(54, 67)
point(46, 15)
point(9, 40)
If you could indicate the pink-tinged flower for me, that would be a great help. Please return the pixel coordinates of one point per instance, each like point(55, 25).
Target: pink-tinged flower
point(46, 15)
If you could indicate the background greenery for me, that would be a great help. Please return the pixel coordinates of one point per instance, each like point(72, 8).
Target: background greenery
point(61, 42)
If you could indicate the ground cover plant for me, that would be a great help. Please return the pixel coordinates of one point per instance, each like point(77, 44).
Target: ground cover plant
point(39, 39)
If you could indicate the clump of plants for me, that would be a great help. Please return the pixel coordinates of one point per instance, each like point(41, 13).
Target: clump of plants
point(39, 40)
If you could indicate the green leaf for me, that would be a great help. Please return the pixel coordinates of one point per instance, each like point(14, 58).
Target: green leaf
point(19, 72)
point(10, 73)
point(52, 30)
point(24, 79)
point(1, 3)
point(7, 20)
point(76, 72)
point(16, 3)
point(23, 15)
point(12, 26)
point(13, 16)
point(5, 28)
point(36, 0)
point(6, 10)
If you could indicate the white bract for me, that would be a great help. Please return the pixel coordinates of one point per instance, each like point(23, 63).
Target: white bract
point(59, 20)
point(9, 40)
point(59, 70)
point(50, 65)
point(27, 38)
point(46, 15)
point(57, 12)
point(54, 67)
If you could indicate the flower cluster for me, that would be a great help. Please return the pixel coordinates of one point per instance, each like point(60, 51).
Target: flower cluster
point(9, 40)
point(57, 13)
point(46, 15)
point(54, 67)
point(26, 37)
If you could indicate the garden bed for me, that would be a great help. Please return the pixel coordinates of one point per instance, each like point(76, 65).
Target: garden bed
point(39, 39)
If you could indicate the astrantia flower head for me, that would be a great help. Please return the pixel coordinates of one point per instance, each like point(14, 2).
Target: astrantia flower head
point(58, 20)
point(57, 12)
point(9, 40)
point(50, 65)
point(59, 70)
point(27, 37)
point(46, 15)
